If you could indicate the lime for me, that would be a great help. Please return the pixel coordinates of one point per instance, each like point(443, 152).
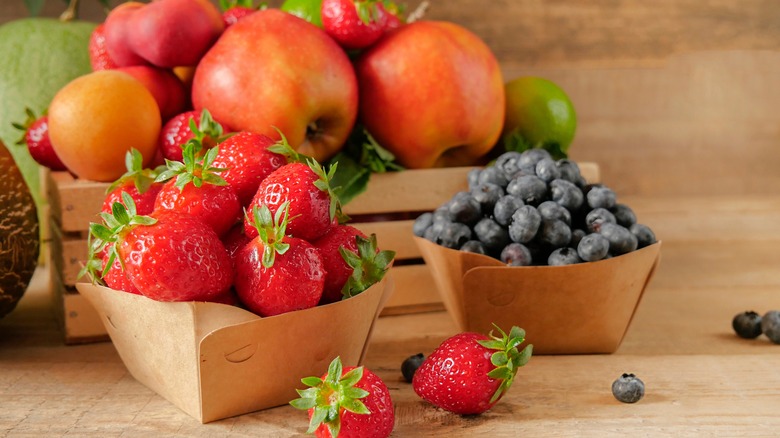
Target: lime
point(539, 114)
point(309, 10)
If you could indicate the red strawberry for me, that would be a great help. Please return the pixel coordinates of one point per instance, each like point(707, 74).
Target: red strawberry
point(470, 372)
point(36, 137)
point(198, 191)
point(393, 16)
point(247, 161)
point(137, 182)
point(183, 127)
point(234, 10)
point(169, 256)
point(116, 278)
point(352, 262)
point(352, 402)
point(313, 205)
point(98, 53)
point(276, 273)
point(234, 240)
point(354, 24)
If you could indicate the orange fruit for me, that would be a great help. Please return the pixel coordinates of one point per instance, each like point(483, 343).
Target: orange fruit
point(539, 114)
point(96, 118)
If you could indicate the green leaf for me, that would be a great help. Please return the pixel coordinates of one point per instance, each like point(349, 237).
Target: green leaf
point(303, 403)
point(334, 371)
point(492, 344)
point(499, 358)
point(525, 355)
point(355, 406)
point(352, 377)
point(353, 392)
point(319, 416)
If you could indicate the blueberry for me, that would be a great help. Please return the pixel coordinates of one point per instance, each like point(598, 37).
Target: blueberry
point(508, 163)
point(770, 325)
point(623, 215)
point(566, 194)
point(644, 235)
point(493, 235)
point(747, 324)
point(532, 156)
point(530, 189)
point(601, 197)
point(598, 217)
point(563, 256)
point(552, 210)
point(554, 233)
point(493, 175)
point(422, 223)
point(487, 194)
point(453, 235)
point(473, 177)
point(628, 388)
point(525, 224)
point(593, 247)
point(546, 170)
point(516, 254)
point(442, 214)
point(569, 170)
point(576, 237)
point(474, 246)
point(621, 241)
point(433, 232)
point(410, 364)
point(464, 208)
point(505, 207)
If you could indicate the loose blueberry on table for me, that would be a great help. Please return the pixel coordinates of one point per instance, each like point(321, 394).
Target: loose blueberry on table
point(628, 388)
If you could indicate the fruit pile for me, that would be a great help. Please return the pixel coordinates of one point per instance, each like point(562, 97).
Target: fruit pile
point(529, 209)
point(178, 233)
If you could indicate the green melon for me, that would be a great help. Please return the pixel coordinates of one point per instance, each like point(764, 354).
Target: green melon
point(19, 242)
point(38, 56)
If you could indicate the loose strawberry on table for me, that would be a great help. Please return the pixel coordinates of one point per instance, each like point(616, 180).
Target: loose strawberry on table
point(277, 273)
point(168, 256)
point(470, 372)
point(195, 188)
point(347, 402)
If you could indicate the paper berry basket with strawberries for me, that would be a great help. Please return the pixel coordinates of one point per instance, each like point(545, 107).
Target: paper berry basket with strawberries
point(204, 272)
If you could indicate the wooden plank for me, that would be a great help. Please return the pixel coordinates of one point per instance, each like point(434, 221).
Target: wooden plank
point(415, 291)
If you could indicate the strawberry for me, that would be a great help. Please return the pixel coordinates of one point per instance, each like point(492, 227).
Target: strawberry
point(276, 273)
point(36, 137)
point(352, 262)
point(234, 240)
point(137, 182)
point(234, 10)
point(183, 127)
point(168, 256)
point(99, 58)
point(354, 24)
point(116, 278)
point(198, 191)
point(347, 402)
point(470, 372)
point(313, 205)
point(247, 161)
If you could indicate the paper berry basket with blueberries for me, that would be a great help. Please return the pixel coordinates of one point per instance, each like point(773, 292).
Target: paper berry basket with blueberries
point(532, 244)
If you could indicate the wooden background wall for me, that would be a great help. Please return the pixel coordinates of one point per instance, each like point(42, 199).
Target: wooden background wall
point(674, 97)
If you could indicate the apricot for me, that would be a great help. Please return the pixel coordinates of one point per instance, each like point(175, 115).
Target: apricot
point(96, 118)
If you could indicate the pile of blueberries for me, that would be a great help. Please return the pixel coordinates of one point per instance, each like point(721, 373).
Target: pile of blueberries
point(528, 209)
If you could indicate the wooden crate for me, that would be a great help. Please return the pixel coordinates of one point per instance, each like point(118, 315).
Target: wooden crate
point(387, 208)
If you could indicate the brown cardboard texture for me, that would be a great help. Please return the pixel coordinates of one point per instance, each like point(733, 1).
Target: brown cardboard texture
point(581, 308)
point(215, 361)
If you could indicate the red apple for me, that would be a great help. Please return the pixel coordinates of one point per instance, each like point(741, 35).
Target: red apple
point(171, 33)
point(118, 35)
point(433, 94)
point(168, 90)
point(274, 70)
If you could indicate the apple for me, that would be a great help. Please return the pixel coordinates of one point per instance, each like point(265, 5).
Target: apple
point(118, 34)
point(166, 88)
point(274, 70)
point(432, 93)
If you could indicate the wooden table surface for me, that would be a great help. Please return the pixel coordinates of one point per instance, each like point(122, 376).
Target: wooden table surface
point(720, 256)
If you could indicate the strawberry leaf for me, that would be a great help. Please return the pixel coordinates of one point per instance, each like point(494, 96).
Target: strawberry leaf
point(506, 359)
point(369, 265)
point(271, 230)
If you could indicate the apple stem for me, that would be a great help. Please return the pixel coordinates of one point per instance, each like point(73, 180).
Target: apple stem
point(418, 12)
point(71, 12)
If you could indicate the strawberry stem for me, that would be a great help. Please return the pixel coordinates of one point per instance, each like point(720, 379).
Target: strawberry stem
point(193, 169)
point(368, 266)
point(507, 359)
point(329, 396)
point(141, 178)
point(271, 230)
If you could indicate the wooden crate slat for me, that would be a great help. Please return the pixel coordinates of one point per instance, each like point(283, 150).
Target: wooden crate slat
point(415, 291)
point(393, 235)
